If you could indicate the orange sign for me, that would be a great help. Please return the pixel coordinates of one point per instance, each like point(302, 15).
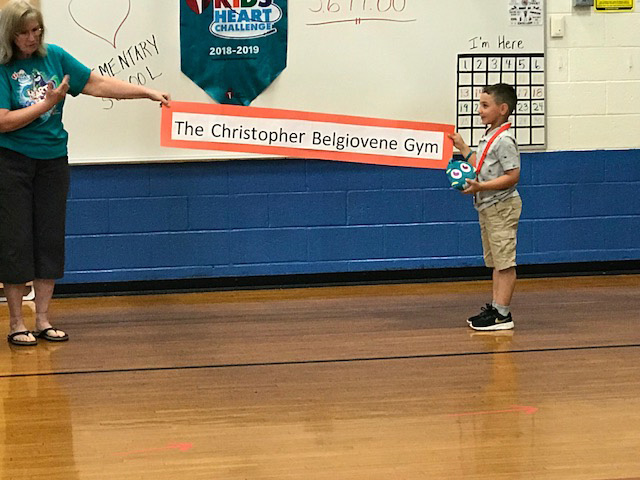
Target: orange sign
point(297, 134)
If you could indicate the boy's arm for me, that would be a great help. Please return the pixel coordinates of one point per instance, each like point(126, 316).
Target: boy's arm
point(464, 149)
point(503, 182)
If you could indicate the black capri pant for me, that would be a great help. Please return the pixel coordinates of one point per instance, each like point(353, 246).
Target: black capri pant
point(33, 204)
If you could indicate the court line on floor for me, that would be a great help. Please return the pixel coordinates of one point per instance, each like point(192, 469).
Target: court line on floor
point(319, 361)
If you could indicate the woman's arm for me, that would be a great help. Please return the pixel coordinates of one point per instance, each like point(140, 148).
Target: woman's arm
point(11, 120)
point(110, 87)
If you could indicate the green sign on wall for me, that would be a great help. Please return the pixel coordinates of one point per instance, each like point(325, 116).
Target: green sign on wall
point(233, 49)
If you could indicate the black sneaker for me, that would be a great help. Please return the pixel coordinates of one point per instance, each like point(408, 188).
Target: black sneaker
point(493, 321)
point(488, 309)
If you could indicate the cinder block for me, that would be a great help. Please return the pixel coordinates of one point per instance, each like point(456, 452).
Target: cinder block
point(248, 211)
point(470, 242)
point(346, 243)
point(546, 201)
point(605, 199)
point(623, 234)
point(622, 164)
point(384, 207)
point(604, 64)
point(268, 246)
point(148, 214)
point(421, 241)
point(622, 30)
point(567, 235)
point(555, 168)
point(569, 99)
point(182, 179)
point(108, 181)
point(209, 212)
point(267, 176)
point(623, 97)
point(327, 176)
point(189, 249)
point(307, 209)
point(87, 217)
point(404, 178)
point(448, 205)
point(108, 252)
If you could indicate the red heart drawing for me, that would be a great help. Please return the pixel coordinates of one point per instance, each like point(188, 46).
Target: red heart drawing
point(198, 6)
point(102, 24)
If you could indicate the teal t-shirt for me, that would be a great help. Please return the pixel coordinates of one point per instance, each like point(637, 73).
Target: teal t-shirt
point(24, 82)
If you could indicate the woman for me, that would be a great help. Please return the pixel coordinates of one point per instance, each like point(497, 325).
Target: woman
point(35, 79)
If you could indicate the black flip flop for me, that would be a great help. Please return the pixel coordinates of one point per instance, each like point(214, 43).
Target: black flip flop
point(45, 335)
point(11, 338)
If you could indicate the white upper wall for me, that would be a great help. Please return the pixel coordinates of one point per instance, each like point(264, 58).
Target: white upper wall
point(593, 79)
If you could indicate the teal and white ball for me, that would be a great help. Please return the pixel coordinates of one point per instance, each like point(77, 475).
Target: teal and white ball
point(458, 172)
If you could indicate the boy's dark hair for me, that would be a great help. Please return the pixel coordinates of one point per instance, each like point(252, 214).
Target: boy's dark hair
point(503, 93)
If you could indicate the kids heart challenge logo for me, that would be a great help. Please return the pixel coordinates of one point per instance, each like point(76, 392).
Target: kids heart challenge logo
point(198, 6)
point(244, 19)
point(99, 18)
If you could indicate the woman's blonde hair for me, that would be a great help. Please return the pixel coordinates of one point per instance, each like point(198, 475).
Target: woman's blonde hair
point(13, 18)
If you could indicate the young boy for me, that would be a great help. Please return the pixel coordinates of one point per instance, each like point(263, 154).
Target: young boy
point(497, 201)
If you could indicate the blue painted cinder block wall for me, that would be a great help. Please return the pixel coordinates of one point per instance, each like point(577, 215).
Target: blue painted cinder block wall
point(263, 217)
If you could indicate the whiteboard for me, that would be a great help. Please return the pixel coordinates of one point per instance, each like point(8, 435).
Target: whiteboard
point(391, 59)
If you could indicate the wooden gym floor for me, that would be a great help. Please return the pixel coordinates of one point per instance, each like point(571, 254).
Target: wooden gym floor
point(362, 382)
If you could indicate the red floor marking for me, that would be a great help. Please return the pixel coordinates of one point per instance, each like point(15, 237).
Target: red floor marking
point(182, 447)
point(515, 409)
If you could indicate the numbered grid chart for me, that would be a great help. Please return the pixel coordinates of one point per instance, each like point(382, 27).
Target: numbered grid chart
point(525, 72)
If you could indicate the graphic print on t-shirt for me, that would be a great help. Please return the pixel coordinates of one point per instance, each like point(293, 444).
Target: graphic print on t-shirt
point(32, 88)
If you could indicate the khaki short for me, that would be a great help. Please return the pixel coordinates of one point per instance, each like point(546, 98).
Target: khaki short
point(499, 228)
